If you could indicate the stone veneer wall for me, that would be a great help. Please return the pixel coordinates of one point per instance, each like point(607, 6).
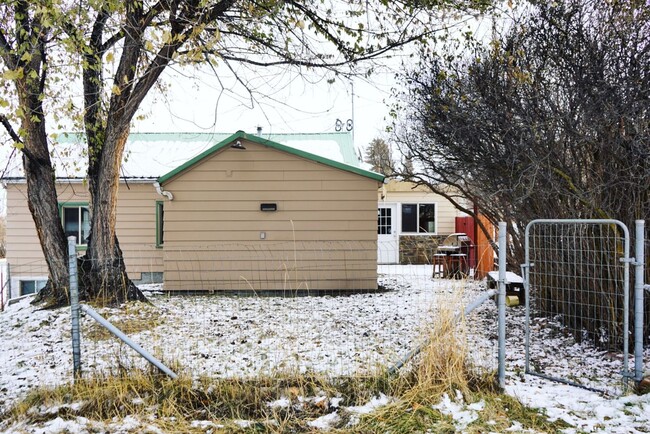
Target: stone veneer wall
point(418, 249)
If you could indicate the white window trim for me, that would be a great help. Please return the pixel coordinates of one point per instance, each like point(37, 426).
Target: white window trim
point(15, 285)
point(78, 206)
point(418, 203)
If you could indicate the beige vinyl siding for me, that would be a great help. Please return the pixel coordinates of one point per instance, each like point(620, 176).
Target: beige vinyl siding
point(135, 226)
point(24, 253)
point(323, 235)
point(402, 192)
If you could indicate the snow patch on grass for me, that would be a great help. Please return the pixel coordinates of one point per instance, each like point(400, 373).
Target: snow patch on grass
point(220, 336)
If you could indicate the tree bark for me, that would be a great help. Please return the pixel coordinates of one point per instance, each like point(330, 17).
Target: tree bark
point(39, 173)
point(43, 205)
point(104, 271)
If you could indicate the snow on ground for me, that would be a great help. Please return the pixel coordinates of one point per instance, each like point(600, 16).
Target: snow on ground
point(462, 414)
point(250, 336)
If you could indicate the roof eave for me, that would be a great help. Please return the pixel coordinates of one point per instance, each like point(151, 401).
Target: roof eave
point(135, 179)
point(265, 142)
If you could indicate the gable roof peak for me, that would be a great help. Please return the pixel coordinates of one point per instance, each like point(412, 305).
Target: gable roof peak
point(274, 145)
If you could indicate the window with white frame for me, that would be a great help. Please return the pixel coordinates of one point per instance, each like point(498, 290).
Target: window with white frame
point(76, 221)
point(419, 218)
point(31, 286)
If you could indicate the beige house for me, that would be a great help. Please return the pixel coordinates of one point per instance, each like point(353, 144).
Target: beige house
point(136, 226)
point(412, 221)
point(245, 214)
point(252, 214)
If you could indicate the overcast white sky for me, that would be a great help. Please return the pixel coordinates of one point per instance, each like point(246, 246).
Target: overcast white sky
point(285, 103)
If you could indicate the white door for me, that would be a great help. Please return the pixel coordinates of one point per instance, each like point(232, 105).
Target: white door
point(387, 241)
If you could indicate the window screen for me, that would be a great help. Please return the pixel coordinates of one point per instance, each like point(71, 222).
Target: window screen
point(31, 286)
point(419, 218)
point(427, 218)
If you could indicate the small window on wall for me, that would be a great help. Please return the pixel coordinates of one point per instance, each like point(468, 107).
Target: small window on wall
point(419, 218)
point(76, 222)
point(160, 221)
point(31, 286)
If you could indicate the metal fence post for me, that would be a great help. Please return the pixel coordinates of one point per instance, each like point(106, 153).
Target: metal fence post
point(9, 296)
point(4, 287)
point(501, 302)
point(639, 277)
point(124, 338)
point(74, 307)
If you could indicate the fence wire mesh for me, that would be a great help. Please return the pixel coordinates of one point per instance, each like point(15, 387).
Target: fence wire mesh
point(577, 278)
point(284, 331)
point(246, 334)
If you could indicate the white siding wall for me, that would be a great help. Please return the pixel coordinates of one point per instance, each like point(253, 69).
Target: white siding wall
point(400, 192)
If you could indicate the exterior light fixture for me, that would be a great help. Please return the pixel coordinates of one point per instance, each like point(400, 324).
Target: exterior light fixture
point(268, 207)
point(237, 145)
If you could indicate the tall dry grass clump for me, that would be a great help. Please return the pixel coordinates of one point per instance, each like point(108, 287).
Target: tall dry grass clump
point(444, 364)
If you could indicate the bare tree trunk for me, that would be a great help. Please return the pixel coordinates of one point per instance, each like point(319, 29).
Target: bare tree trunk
point(105, 277)
point(104, 271)
point(28, 57)
point(43, 205)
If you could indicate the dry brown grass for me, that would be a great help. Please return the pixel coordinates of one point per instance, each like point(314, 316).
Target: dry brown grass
point(134, 317)
point(444, 363)
point(172, 405)
point(443, 367)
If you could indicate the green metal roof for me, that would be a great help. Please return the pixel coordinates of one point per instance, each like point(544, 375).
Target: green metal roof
point(342, 139)
point(275, 145)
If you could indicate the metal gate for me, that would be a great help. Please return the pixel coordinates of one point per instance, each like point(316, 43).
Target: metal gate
point(577, 316)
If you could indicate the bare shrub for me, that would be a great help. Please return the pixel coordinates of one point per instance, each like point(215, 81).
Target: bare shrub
point(550, 120)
